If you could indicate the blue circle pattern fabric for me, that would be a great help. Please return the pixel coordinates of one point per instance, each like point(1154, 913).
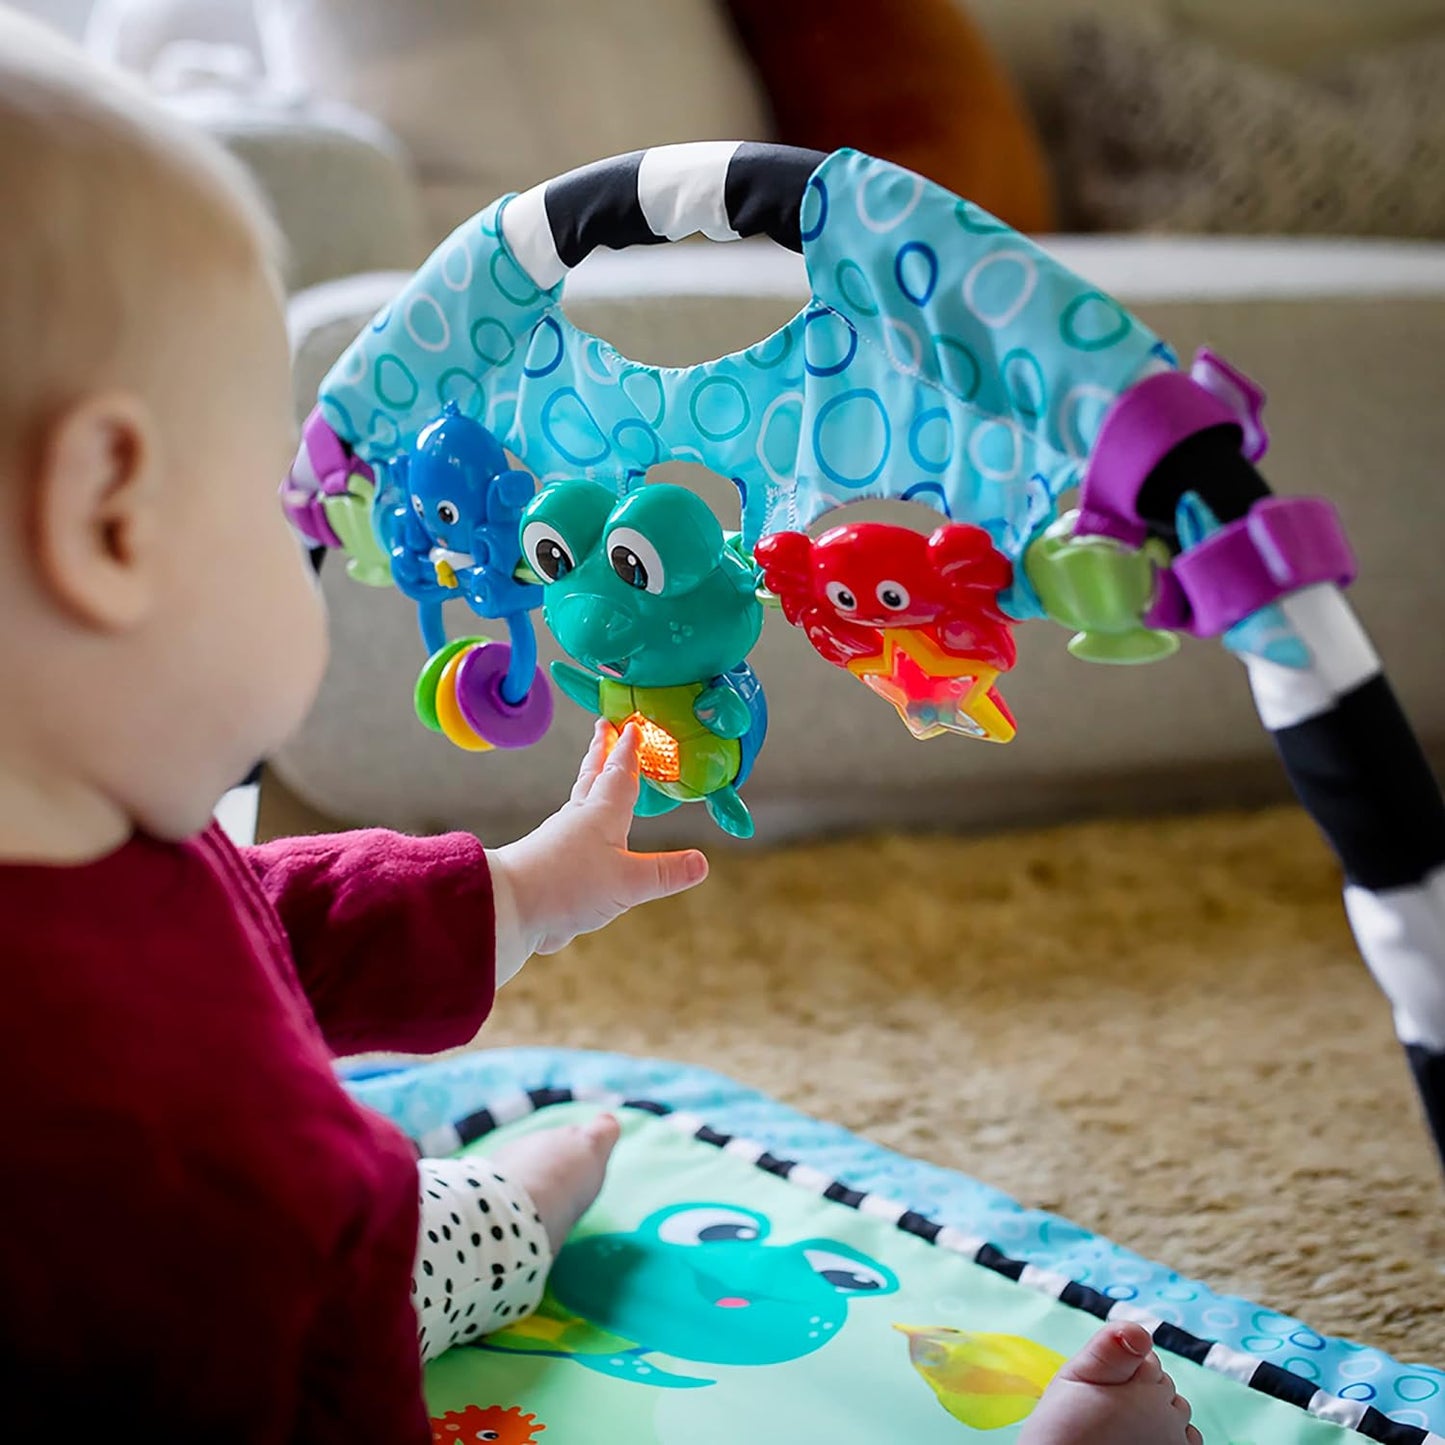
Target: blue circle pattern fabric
point(427, 1096)
point(942, 358)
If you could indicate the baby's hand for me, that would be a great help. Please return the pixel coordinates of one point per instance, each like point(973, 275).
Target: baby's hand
point(575, 873)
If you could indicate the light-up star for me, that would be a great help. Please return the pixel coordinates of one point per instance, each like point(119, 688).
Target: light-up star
point(935, 692)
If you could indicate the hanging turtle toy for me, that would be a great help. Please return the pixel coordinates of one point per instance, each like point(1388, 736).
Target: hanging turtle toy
point(660, 608)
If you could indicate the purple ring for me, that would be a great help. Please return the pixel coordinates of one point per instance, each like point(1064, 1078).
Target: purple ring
point(479, 681)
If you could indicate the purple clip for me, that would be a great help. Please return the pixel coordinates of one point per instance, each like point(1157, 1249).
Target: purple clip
point(324, 467)
point(1282, 545)
point(1146, 423)
point(1244, 397)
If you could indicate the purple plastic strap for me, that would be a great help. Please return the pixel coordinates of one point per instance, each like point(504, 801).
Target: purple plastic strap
point(1281, 546)
point(1240, 393)
point(1169, 611)
point(1142, 427)
point(480, 675)
point(307, 515)
point(323, 468)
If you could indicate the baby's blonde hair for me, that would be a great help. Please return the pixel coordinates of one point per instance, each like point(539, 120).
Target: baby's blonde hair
point(109, 207)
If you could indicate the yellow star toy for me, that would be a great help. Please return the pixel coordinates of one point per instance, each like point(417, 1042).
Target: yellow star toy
point(935, 692)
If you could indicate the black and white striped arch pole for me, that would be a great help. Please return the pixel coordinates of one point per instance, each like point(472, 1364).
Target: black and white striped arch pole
point(1359, 770)
point(1354, 763)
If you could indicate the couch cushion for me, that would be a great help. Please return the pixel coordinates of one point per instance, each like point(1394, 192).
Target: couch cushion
point(1166, 132)
point(1285, 33)
point(496, 97)
point(338, 184)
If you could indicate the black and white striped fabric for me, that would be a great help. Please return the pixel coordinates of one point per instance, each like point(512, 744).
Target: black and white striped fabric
point(1360, 772)
point(724, 190)
point(1257, 1374)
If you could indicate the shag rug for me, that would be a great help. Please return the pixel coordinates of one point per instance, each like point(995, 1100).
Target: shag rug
point(1160, 1030)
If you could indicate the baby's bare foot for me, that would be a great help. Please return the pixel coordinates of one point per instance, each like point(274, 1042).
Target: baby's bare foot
point(562, 1169)
point(1113, 1392)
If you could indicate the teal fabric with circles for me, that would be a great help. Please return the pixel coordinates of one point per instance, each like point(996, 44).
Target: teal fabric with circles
point(942, 358)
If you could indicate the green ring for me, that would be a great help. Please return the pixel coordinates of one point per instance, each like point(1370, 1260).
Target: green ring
point(975, 220)
point(755, 355)
point(474, 407)
point(424, 696)
point(942, 344)
point(1070, 333)
point(736, 386)
point(867, 305)
point(397, 401)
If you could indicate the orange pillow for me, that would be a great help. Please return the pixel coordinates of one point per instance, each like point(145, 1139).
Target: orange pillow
point(910, 81)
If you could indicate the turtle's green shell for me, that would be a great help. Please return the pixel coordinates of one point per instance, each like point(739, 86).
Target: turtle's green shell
point(705, 762)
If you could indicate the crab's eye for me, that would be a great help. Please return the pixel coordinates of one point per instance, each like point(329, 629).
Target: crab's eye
point(546, 553)
point(635, 560)
point(841, 597)
point(709, 1226)
point(851, 1276)
point(893, 595)
point(447, 512)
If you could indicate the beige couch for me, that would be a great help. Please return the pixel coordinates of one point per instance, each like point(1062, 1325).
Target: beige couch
point(1347, 337)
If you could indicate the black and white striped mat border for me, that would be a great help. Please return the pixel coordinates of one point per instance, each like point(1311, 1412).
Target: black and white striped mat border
point(1247, 1370)
point(1360, 772)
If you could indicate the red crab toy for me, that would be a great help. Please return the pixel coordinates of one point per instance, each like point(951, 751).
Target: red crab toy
point(916, 618)
point(855, 582)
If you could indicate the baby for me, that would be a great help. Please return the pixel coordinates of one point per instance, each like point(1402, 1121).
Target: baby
point(203, 1237)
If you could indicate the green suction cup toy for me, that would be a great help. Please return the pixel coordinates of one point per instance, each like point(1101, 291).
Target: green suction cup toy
point(1101, 588)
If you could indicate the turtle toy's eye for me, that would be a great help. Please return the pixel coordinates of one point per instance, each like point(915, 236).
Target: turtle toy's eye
point(844, 1273)
point(893, 595)
point(709, 1226)
point(546, 553)
point(447, 512)
point(419, 507)
point(635, 560)
point(841, 597)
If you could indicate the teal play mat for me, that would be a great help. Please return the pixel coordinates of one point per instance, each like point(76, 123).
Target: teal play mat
point(953, 1254)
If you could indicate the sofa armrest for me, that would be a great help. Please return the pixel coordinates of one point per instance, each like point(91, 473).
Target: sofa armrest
point(337, 182)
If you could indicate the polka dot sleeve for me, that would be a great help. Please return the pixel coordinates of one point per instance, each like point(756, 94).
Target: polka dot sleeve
point(483, 1255)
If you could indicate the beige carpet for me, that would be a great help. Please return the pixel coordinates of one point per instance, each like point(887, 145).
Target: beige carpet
point(1160, 1030)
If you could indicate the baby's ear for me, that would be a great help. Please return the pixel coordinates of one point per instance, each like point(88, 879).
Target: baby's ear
point(98, 511)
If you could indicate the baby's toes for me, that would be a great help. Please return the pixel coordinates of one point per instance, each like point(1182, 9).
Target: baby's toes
point(601, 1135)
point(1151, 1372)
point(1114, 1356)
point(1192, 1436)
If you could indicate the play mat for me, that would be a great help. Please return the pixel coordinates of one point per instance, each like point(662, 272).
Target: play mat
point(847, 1293)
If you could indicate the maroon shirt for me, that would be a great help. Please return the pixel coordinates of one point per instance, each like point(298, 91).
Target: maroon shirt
point(202, 1238)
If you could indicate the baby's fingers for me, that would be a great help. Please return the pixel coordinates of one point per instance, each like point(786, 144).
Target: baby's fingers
point(647, 876)
point(615, 791)
point(593, 762)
